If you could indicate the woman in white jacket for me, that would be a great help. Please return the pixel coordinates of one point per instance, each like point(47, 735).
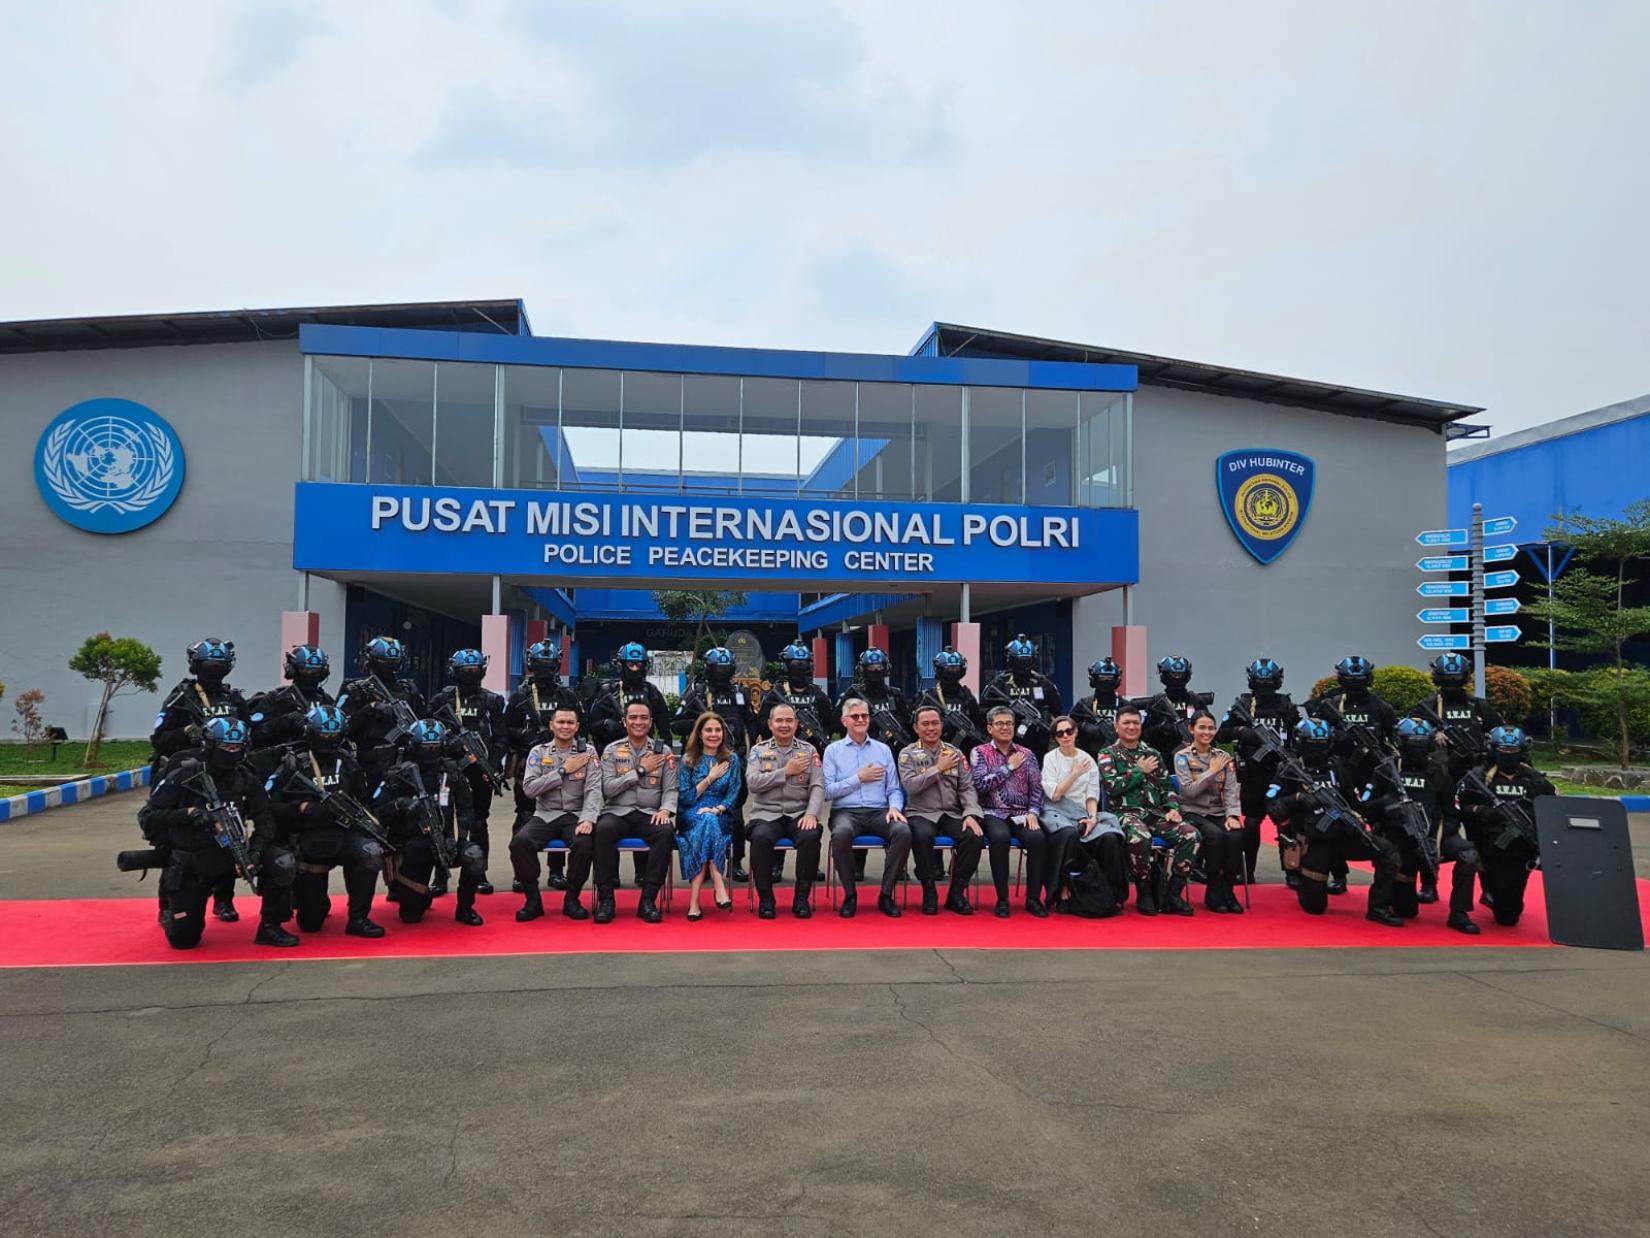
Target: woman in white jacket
point(1071, 811)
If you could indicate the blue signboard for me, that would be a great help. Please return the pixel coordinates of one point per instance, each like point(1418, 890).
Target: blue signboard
point(1443, 563)
point(644, 539)
point(1438, 640)
point(1501, 606)
point(1501, 580)
point(108, 466)
point(1443, 537)
point(1445, 614)
point(1500, 526)
point(1507, 632)
point(1444, 589)
point(1500, 554)
point(1265, 494)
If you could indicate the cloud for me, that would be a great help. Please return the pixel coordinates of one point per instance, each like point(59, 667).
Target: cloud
point(266, 38)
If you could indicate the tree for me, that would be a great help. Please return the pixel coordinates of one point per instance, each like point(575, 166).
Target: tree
point(698, 607)
point(28, 722)
point(1590, 616)
point(120, 664)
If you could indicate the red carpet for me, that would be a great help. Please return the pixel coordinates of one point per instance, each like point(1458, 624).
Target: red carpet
point(104, 932)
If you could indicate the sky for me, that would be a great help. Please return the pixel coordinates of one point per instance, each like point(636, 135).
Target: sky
point(1438, 199)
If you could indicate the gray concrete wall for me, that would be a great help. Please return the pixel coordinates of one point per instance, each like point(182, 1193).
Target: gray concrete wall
point(1346, 584)
point(218, 563)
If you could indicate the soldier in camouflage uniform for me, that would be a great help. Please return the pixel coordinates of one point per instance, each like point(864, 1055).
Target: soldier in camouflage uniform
point(1138, 790)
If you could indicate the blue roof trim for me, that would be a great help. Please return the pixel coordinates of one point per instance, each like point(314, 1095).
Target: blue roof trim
point(843, 607)
point(338, 341)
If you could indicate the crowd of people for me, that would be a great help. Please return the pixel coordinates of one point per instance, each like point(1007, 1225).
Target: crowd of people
point(1116, 802)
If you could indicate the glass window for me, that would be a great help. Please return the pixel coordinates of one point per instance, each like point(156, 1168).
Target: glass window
point(463, 424)
point(534, 452)
point(1051, 448)
point(710, 434)
point(1102, 454)
point(886, 463)
point(827, 435)
point(769, 457)
point(590, 427)
point(337, 419)
point(652, 438)
point(403, 421)
point(936, 442)
point(995, 445)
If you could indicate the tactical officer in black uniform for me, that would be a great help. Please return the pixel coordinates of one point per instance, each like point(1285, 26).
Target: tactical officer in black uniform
point(279, 716)
point(303, 796)
point(180, 725)
point(1424, 771)
point(421, 796)
point(1496, 808)
point(1355, 700)
point(1167, 717)
point(890, 715)
point(527, 718)
point(1323, 828)
point(718, 694)
point(178, 817)
point(378, 725)
point(961, 714)
point(1096, 714)
point(468, 707)
point(1028, 692)
point(1461, 723)
point(816, 721)
point(1270, 707)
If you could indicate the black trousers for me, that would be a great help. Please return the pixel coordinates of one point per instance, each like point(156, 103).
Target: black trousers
point(1453, 850)
point(1342, 843)
point(524, 809)
point(632, 823)
point(765, 833)
point(1252, 798)
point(1223, 850)
point(413, 876)
point(998, 830)
point(319, 852)
point(192, 877)
point(481, 808)
point(530, 839)
point(966, 854)
point(1505, 874)
point(847, 824)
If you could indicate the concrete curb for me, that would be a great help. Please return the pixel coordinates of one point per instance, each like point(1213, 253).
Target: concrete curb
point(31, 802)
point(1636, 803)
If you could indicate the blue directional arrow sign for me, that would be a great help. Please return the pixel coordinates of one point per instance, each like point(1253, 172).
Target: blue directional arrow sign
point(1501, 606)
point(1500, 554)
point(1443, 537)
point(1500, 526)
point(1506, 632)
point(1445, 614)
point(1437, 640)
point(1500, 580)
point(1444, 588)
point(1443, 563)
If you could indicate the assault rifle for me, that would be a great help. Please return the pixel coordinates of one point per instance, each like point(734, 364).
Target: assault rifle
point(963, 733)
point(1463, 742)
point(1087, 714)
point(347, 811)
point(890, 730)
point(225, 822)
point(431, 823)
point(1325, 796)
point(475, 748)
point(1404, 812)
point(399, 709)
point(1515, 817)
point(1171, 715)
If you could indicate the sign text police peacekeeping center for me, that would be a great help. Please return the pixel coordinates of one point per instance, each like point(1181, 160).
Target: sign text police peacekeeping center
point(588, 536)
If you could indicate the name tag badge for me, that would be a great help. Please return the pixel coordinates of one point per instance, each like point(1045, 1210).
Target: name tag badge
point(739, 698)
point(1036, 694)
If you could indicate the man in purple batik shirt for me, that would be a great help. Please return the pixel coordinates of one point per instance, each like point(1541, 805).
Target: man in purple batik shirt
point(1010, 787)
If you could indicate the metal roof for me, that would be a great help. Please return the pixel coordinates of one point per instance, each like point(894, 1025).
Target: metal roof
point(502, 317)
point(1575, 424)
point(946, 339)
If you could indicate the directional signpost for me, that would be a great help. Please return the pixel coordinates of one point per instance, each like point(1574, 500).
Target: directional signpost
point(1471, 541)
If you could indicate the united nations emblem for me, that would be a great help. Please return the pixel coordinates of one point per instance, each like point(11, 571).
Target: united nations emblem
point(1264, 494)
point(109, 466)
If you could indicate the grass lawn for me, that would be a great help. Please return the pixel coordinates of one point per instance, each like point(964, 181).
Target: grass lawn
point(1548, 760)
point(117, 754)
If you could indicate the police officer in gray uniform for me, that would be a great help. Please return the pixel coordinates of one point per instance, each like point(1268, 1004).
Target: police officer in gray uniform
point(787, 794)
point(638, 801)
point(940, 799)
point(563, 779)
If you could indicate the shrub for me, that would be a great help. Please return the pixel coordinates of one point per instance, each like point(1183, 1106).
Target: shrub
point(1509, 693)
point(28, 722)
point(1399, 686)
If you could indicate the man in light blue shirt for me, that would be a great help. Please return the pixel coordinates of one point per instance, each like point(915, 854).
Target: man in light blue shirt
point(862, 783)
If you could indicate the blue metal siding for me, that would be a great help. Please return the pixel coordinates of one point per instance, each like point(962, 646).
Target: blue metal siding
point(1596, 472)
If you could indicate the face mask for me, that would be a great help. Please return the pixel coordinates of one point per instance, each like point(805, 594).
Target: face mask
point(222, 759)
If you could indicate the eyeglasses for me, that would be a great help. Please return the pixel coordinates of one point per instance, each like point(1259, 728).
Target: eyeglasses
point(1065, 730)
point(1002, 722)
point(856, 715)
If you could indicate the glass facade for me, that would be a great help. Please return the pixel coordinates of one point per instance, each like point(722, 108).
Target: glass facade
point(569, 429)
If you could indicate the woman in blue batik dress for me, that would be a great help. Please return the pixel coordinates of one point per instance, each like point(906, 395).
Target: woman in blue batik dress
point(709, 785)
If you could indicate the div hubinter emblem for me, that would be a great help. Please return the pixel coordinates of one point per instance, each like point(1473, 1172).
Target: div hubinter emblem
point(1264, 495)
point(109, 466)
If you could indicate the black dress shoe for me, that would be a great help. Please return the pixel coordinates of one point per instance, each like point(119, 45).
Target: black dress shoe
point(647, 911)
point(1427, 894)
point(930, 901)
point(486, 887)
point(224, 909)
point(887, 906)
point(957, 902)
point(1036, 907)
point(468, 915)
point(738, 873)
point(556, 881)
point(270, 934)
point(1001, 910)
point(765, 909)
point(532, 909)
point(1461, 922)
point(573, 909)
point(1337, 885)
point(850, 904)
point(604, 910)
point(802, 909)
point(360, 926)
point(1384, 915)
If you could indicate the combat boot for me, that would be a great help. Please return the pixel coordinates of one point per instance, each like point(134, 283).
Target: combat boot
point(930, 899)
point(360, 926)
point(1145, 898)
point(646, 909)
point(1384, 915)
point(271, 934)
point(604, 905)
point(1461, 922)
point(531, 909)
point(572, 908)
point(1177, 898)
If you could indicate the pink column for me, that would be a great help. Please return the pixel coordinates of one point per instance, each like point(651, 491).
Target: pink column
point(1128, 650)
point(495, 643)
point(876, 636)
point(822, 660)
point(965, 639)
point(298, 627)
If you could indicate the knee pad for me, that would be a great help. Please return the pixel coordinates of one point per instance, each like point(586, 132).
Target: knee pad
point(1313, 896)
point(471, 860)
point(372, 855)
point(1467, 858)
point(310, 922)
point(183, 933)
point(280, 867)
point(1506, 919)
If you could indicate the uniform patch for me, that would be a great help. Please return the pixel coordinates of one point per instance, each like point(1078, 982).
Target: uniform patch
point(1264, 494)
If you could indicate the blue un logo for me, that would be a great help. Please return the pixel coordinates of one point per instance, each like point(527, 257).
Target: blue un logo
point(109, 466)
